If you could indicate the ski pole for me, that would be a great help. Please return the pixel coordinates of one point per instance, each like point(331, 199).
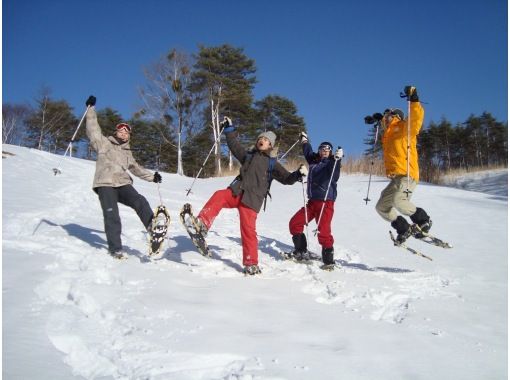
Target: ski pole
point(327, 191)
point(408, 141)
point(205, 161)
point(306, 210)
point(57, 169)
point(287, 152)
point(408, 96)
point(377, 124)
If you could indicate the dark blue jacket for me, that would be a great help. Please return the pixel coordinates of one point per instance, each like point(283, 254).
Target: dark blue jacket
point(319, 174)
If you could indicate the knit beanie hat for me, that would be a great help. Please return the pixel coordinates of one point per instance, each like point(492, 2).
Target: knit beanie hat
point(270, 136)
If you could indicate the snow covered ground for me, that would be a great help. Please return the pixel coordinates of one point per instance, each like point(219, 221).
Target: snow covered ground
point(70, 310)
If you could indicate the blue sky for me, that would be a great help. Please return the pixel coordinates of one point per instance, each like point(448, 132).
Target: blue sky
point(336, 60)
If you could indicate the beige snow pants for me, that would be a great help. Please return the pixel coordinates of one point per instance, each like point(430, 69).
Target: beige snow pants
point(394, 198)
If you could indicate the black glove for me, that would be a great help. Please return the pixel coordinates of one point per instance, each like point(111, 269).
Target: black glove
point(226, 122)
point(411, 93)
point(377, 116)
point(157, 178)
point(369, 120)
point(91, 101)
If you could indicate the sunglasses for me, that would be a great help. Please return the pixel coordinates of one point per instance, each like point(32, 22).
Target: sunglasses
point(325, 148)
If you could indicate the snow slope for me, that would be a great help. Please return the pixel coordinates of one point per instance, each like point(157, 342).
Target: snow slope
point(69, 310)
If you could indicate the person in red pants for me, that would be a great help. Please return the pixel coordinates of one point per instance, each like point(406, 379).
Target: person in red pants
point(322, 192)
point(248, 191)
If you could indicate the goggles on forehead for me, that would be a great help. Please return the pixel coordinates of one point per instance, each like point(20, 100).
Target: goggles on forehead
point(122, 126)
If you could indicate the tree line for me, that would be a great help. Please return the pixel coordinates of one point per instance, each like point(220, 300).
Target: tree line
point(182, 100)
point(178, 123)
point(480, 141)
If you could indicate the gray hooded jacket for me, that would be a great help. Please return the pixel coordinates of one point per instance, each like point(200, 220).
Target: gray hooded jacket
point(253, 177)
point(113, 158)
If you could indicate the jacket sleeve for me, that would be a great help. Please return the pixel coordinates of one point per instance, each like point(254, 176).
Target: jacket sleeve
point(93, 129)
point(235, 146)
point(283, 176)
point(417, 116)
point(139, 171)
point(308, 152)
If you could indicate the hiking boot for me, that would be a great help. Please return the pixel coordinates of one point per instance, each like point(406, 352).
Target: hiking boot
point(328, 256)
point(422, 221)
point(300, 247)
point(403, 228)
point(251, 270)
point(201, 227)
point(117, 255)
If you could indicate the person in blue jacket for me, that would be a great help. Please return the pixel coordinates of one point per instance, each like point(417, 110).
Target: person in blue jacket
point(321, 201)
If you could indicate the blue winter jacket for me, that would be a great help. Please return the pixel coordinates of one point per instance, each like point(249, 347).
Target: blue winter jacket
point(319, 174)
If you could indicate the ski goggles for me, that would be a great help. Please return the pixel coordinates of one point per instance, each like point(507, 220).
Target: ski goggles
point(123, 126)
point(325, 148)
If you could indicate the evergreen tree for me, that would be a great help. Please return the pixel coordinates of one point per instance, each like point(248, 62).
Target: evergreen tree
point(279, 114)
point(150, 149)
point(225, 77)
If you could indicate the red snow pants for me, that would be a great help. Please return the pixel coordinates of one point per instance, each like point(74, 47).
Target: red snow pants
point(247, 217)
point(313, 211)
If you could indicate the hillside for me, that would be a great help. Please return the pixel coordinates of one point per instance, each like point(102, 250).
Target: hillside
point(71, 310)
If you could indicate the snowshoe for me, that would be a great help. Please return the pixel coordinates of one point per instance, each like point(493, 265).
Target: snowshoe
point(328, 267)
point(119, 255)
point(158, 229)
point(251, 270)
point(301, 257)
point(195, 229)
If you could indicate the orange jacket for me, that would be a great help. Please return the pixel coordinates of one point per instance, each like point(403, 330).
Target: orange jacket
point(394, 143)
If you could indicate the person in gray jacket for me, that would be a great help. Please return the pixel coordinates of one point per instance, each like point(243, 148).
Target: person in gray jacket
point(112, 183)
point(248, 191)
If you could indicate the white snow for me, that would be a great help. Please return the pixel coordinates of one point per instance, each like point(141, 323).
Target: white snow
point(70, 310)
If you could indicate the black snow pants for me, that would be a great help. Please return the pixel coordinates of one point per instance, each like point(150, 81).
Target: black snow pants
point(109, 197)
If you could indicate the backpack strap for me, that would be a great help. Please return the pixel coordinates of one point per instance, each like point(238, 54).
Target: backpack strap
point(272, 162)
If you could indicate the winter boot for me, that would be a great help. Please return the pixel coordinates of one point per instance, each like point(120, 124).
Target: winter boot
point(202, 228)
point(300, 247)
point(422, 221)
point(196, 225)
point(327, 256)
point(251, 270)
point(403, 228)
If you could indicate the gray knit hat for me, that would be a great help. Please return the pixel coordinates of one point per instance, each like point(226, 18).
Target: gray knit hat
point(270, 136)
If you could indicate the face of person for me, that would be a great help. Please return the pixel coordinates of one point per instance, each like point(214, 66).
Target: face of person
point(122, 134)
point(263, 144)
point(324, 152)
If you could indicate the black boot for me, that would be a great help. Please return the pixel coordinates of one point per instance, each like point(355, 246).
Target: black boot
point(422, 220)
point(327, 256)
point(403, 228)
point(300, 247)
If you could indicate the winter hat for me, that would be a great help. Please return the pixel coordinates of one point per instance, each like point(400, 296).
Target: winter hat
point(270, 136)
point(395, 112)
point(325, 144)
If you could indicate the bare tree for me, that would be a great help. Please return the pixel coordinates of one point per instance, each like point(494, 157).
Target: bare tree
point(167, 97)
point(51, 122)
point(13, 122)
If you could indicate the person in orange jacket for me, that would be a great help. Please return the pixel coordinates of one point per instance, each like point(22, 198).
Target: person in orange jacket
point(396, 197)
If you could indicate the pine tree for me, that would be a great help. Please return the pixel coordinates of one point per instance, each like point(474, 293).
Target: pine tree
point(225, 78)
point(279, 114)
